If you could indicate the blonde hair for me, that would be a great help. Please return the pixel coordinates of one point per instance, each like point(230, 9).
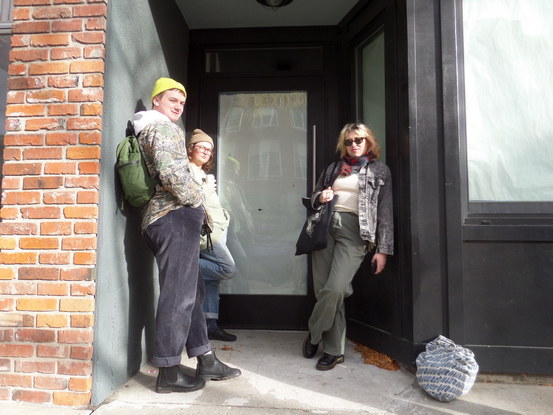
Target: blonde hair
point(363, 131)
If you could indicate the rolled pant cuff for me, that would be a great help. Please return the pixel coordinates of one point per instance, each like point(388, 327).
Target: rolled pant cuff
point(166, 361)
point(212, 315)
point(198, 351)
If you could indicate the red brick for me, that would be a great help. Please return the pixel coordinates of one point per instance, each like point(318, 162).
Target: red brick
point(61, 138)
point(37, 304)
point(85, 123)
point(63, 109)
point(18, 288)
point(59, 351)
point(86, 288)
point(38, 273)
point(41, 213)
point(52, 13)
point(30, 2)
point(77, 304)
point(42, 153)
point(47, 182)
point(12, 154)
point(50, 40)
point(59, 198)
point(89, 38)
point(81, 352)
point(85, 182)
point(78, 244)
point(21, 13)
point(17, 350)
point(21, 169)
point(94, 108)
point(43, 124)
point(66, 53)
point(8, 213)
point(6, 335)
point(11, 183)
point(16, 97)
point(5, 365)
point(55, 228)
point(80, 212)
point(72, 399)
point(6, 379)
point(8, 243)
point(29, 366)
point(15, 69)
point(60, 168)
point(6, 304)
point(32, 396)
point(50, 382)
point(94, 52)
point(24, 110)
point(87, 66)
point(87, 197)
point(90, 137)
point(82, 321)
point(28, 55)
point(48, 68)
point(94, 80)
point(90, 10)
point(74, 368)
point(96, 24)
point(24, 140)
point(83, 153)
point(21, 198)
point(89, 167)
point(53, 288)
point(46, 96)
point(18, 258)
point(63, 81)
point(30, 243)
point(80, 384)
point(51, 320)
point(31, 27)
point(84, 258)
point(74, 25)
point(25, 83)
point(77, 274)
point(19, 41)
point(86, 95)
point(35, 335)
point(85, 228)
point(57, 258)
point(18, 228)
point(75, 336)
point(14, 124)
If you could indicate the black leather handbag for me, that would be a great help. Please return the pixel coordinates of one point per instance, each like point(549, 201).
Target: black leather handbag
point(314, 234)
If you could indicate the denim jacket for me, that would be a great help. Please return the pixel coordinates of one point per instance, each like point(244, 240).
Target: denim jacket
point(376, 222)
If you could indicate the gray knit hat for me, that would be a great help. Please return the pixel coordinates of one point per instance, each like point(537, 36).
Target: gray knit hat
point(199, 136)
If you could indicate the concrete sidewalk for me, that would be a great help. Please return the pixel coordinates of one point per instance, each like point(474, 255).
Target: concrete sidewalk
point(277, 380)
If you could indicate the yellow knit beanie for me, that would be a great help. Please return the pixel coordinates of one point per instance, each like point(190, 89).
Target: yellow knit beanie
point(165, 84)
point(199, 136)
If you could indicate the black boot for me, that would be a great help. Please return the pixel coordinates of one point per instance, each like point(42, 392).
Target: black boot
point(209, 367)
point(172, 379)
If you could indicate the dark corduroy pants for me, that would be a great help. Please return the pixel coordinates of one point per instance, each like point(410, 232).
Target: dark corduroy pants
point(175, 241)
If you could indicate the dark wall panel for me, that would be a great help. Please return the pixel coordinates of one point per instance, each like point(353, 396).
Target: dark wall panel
point(507, 293)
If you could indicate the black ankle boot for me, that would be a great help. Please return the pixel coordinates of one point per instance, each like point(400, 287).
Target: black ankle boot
point(172, 379)
point(209, 367)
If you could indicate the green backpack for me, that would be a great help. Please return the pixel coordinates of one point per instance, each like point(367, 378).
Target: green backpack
point(137, 185)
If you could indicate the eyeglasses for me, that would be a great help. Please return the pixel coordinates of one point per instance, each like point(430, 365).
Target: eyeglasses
point(204, 149)
point(358, 140)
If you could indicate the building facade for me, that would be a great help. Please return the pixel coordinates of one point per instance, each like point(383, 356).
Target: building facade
point(467, 141)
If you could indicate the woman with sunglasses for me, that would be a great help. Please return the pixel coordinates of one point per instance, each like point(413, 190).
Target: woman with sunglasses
point(216, 262)
point(362, 222)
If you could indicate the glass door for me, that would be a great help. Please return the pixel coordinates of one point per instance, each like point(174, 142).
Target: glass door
point(264, 147)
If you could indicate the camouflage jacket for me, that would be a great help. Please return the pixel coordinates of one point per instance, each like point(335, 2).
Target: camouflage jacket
point(163, 147)
point(376, 222)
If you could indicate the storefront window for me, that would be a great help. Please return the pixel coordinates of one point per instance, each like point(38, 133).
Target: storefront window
point(508, 58)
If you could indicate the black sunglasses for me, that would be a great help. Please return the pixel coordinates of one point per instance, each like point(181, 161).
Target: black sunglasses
point(349, 141)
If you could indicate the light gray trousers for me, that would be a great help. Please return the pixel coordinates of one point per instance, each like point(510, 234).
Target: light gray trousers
point(333, 270)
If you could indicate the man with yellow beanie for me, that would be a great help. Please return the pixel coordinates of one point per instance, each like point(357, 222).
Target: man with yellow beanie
point(171, 225)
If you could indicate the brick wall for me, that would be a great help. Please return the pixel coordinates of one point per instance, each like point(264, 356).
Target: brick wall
point(50, 200)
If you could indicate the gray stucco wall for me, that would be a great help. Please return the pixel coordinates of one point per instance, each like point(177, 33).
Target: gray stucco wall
point(145, 40)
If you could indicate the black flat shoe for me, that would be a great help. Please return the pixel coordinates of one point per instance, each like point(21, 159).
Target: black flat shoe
point(220, 334)
point(172, 379)
point(309, 349)
point(328, 361)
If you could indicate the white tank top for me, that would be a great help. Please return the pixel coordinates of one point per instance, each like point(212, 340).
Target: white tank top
point(347, 189)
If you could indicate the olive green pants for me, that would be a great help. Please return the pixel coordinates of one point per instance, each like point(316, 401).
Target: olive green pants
point(333, 270)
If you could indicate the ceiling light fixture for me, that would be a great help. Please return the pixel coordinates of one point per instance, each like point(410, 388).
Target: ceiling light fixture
point(274, 4)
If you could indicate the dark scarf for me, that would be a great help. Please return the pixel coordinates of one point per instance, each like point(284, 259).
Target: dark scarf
point(352, 165)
